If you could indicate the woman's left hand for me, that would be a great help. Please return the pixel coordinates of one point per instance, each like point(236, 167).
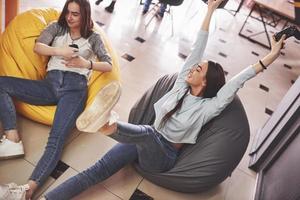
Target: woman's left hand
point(277, 46)
point(77, 62)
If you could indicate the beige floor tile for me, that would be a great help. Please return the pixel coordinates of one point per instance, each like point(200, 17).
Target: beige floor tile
point(243, 165)
point(37, 195)
point(15, 170)
point(254, 101)
point(93, 193)
point(123, 183)
point(97, 192)
point(35, 136)
point(160, 193)
point(86, 149)
point(54, 183)
point(241, 186)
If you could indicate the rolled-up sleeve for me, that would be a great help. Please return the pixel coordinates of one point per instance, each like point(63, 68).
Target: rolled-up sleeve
point(48, 34)
point(99, 48)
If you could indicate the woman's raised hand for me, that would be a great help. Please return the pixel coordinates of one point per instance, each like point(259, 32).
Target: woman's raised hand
point(213, 4)
point(277, 46)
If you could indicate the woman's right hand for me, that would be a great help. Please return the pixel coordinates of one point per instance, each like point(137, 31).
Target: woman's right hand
point(67, 52)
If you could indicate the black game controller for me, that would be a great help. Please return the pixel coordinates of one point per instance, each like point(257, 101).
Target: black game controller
point(222, 5)
point(289, 32)
point(74, 46)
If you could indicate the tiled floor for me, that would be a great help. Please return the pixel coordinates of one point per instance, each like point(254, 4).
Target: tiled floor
point(156, 55)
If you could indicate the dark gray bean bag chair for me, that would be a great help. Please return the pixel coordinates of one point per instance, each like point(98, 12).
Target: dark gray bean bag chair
point(220, 146)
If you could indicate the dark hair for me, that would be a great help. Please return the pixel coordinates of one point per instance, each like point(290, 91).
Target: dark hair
point(215, 79)
point(171, 112)
point(86, 20)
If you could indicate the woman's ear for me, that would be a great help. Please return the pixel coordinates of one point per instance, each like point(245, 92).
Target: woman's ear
point(204, 83)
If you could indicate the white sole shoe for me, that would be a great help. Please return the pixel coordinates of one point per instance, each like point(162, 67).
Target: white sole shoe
point(9, 149)
point(98, 113)
point(13, 192)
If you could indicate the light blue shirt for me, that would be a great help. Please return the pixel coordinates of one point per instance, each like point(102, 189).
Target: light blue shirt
point(184, 125)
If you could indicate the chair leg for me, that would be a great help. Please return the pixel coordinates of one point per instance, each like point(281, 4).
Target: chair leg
point(152, 17)
point(172, 24)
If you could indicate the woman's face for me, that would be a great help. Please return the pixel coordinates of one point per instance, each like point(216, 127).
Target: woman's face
point(73, 16)
point(197, 75)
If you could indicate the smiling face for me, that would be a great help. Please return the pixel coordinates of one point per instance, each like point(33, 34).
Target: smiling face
point(73, 16)
point(197, 75)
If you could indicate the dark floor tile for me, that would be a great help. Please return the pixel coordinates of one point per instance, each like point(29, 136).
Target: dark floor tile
point(249, 31)
point(139, 195)
point(222, 54)
point(221, 29)
point(128, 57)
point(254, 53)
point(287, 66)
point(139, 39)
point(60, 168)
point(265, 88)
point(100, 23)
point(223, 41)
point(268, 111)
point(181, 55)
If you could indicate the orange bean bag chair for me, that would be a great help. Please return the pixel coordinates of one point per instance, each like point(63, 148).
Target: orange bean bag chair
point(18, 59)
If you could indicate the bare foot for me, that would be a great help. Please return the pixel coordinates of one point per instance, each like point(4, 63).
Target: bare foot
point(108, 129)
point(32, 188)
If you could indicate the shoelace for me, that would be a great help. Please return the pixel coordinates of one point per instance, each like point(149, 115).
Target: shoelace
point(20, 188)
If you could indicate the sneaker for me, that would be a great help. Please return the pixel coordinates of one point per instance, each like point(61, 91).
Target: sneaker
point(12, 191)
point(98, 2)
point(98, 113)
point(9, 149)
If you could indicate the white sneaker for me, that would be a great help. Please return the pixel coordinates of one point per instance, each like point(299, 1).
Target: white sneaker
point(9, 149)
point(98, 113)
point(12, 191)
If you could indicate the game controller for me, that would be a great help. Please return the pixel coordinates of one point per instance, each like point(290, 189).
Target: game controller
point(289, 32)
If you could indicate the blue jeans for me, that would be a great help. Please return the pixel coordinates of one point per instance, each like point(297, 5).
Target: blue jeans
point(162, 9)
point(140, 143)
point(67, 90)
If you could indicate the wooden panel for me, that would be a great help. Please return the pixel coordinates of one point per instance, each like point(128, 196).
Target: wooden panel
point(282, 7)
point(1, 16)
point(11, 10)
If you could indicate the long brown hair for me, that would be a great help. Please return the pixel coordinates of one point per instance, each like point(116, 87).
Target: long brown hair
point(215, 79)
point(86, 19)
